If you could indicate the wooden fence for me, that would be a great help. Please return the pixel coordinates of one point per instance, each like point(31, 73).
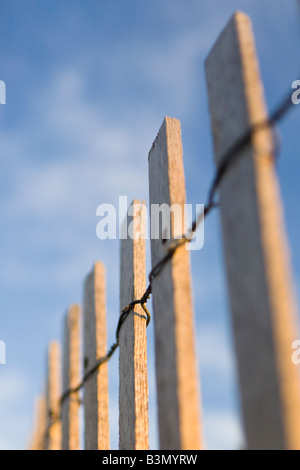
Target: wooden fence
point(259, 281)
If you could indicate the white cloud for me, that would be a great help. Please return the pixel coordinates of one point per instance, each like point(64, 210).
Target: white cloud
point(13, 386)
point(214, 350)
point(6, 444)
point(223, 431)
point(14, 417)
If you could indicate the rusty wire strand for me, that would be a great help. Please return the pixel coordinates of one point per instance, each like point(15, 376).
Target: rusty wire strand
point(228, 159)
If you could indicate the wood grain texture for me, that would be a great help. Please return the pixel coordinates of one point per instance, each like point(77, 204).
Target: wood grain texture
point(133, 388)
point(176, 370)
point(96, 400)
point(71, 378)
point(53, 394)
point(37, 439)
point(257, 259)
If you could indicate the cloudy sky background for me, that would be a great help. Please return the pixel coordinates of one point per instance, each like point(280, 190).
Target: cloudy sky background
point(88, 86)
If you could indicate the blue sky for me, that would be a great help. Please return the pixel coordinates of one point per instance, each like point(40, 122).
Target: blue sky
point(88, 85)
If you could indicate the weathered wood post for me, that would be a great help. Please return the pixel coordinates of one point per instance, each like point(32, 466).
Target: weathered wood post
point(53, 394)
point(96, 417)
point(176, 369)
point(39, 429)
point(133, 388)
point(71, 378)
point(257, 261)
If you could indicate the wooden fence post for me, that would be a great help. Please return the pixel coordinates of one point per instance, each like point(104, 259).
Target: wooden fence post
point(133, 389)
point(71, 378)
point(257, 261)
point(53, 394)
point(176, 371)
point(96, 418)
point(39, 429)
